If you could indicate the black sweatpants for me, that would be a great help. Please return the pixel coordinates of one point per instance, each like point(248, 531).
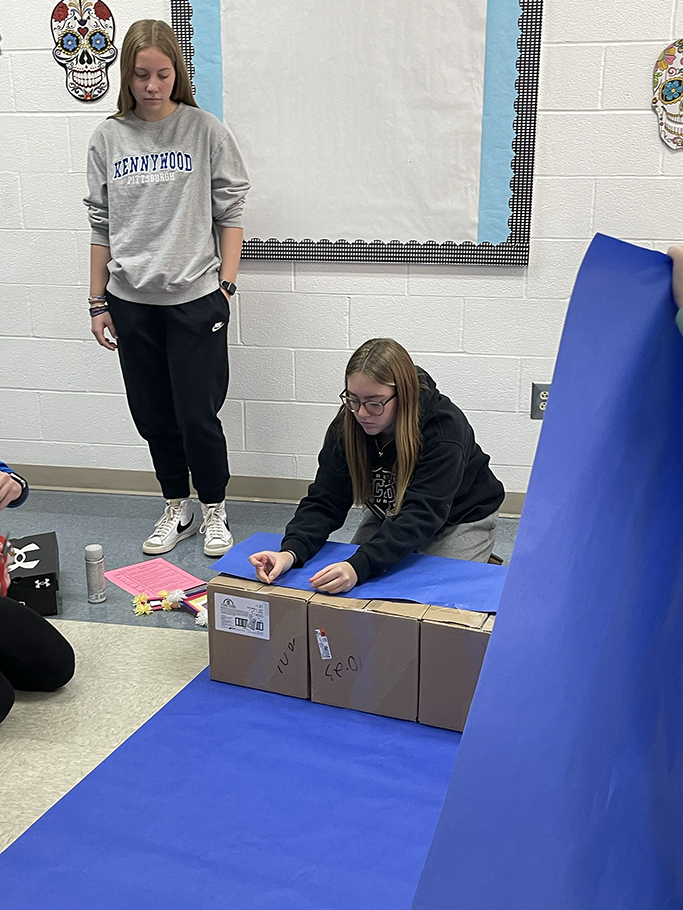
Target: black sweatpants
point(174, 361)
point(34, 656)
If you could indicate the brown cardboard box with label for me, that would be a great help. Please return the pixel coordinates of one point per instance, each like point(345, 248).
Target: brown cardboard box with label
point(364, 654)
point(258, 636)
point(452, 648)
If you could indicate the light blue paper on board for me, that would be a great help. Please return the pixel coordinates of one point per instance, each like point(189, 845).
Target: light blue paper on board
point(208, 55)
point(576, 726)
point(422, 579)
point(497, 120)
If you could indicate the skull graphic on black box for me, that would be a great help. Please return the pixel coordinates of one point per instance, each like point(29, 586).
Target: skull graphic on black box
point(83, 33)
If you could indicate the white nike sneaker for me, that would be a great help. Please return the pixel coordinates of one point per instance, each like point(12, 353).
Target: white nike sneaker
point(217, 536)
point(175, 524)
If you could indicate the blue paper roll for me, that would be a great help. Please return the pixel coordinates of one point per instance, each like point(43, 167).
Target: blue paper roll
point(575, 735)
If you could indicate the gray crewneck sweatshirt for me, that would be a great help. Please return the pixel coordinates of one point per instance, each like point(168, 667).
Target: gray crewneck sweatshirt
point(157, 193)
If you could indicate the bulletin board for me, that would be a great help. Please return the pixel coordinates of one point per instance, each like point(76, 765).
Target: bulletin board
point(383, 132)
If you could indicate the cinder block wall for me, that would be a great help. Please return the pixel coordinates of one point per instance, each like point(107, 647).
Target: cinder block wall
point(484, 334)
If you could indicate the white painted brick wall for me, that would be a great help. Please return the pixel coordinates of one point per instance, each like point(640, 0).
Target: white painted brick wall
point(320, 375)
point(522, 327)
point(264, 374)
point(418, 323)
point(475, 383)
point(262, 464)
point(6, 88)
point(51, 205)
point(294, 320)
point(286, 427)
point(350, 278)
point(15, 314)
point(86, 417)
point(41, 363)
point(11, 207)
point(485, 334)
point(127, 458)
point(57, 312)
point(39, 257)
point(585, 21)
point(23, 418)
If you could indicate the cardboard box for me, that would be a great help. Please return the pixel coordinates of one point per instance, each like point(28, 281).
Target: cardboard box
point(452, 648)
point(258, 636)
point(35, 572)
point(365, 654)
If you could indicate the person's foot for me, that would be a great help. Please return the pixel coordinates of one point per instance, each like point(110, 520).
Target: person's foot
point(217, 536)
point(175, 524)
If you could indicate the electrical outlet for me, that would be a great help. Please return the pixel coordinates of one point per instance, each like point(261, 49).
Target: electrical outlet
point(539, 399)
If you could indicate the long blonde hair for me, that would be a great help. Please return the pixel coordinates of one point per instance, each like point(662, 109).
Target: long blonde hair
point(386, 362)
point(159, 34)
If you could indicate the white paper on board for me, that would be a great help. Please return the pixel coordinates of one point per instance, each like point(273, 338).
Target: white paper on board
point(242, 616)
point(357, 120)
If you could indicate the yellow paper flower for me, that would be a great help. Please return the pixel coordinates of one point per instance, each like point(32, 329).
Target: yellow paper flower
point(163, 593)
point(166, 604)
point(142, 608)
point(139, 599)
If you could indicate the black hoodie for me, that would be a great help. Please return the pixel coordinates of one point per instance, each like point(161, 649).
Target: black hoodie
point(452, 483)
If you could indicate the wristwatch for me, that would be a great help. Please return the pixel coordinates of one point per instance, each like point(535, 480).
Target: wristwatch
point(229, 287)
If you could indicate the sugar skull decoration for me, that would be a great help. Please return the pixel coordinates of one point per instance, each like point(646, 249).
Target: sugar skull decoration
point(668, 97)
point(83, 33)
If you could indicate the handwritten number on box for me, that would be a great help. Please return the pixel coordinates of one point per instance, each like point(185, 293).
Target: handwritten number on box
point(353, 664)
point(284, 659)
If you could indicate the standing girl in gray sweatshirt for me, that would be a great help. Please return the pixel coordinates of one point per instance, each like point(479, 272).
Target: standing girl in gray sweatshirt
point(166, 190)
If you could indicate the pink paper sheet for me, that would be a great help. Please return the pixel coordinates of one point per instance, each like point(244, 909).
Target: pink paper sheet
point(152, 576)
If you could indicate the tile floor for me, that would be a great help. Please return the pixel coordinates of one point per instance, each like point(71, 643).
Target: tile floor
point(51, 741)
point(127, 667)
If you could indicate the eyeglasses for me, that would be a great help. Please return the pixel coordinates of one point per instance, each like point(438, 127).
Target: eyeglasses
point(375, 408)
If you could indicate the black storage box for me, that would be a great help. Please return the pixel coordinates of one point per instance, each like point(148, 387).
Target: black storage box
point(35, 572)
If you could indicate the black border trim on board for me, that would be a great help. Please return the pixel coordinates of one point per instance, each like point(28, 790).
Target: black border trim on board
point(515, 250)
point(181, 23)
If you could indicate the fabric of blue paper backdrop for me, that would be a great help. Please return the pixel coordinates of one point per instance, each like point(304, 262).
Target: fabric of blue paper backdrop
point(422, 579)
point(235, 799)
point(576, 729)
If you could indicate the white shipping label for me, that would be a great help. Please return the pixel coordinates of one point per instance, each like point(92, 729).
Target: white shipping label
point(323, 644)
point(242, 615)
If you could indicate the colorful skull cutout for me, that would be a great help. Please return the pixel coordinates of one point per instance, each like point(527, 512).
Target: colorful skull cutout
point(83, 33)
point(668, 97)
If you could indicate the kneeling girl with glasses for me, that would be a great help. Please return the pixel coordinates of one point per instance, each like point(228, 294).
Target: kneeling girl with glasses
point(408, 455)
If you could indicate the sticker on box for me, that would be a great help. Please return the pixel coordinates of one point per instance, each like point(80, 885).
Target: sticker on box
point(323, 644)
point(242, 615)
